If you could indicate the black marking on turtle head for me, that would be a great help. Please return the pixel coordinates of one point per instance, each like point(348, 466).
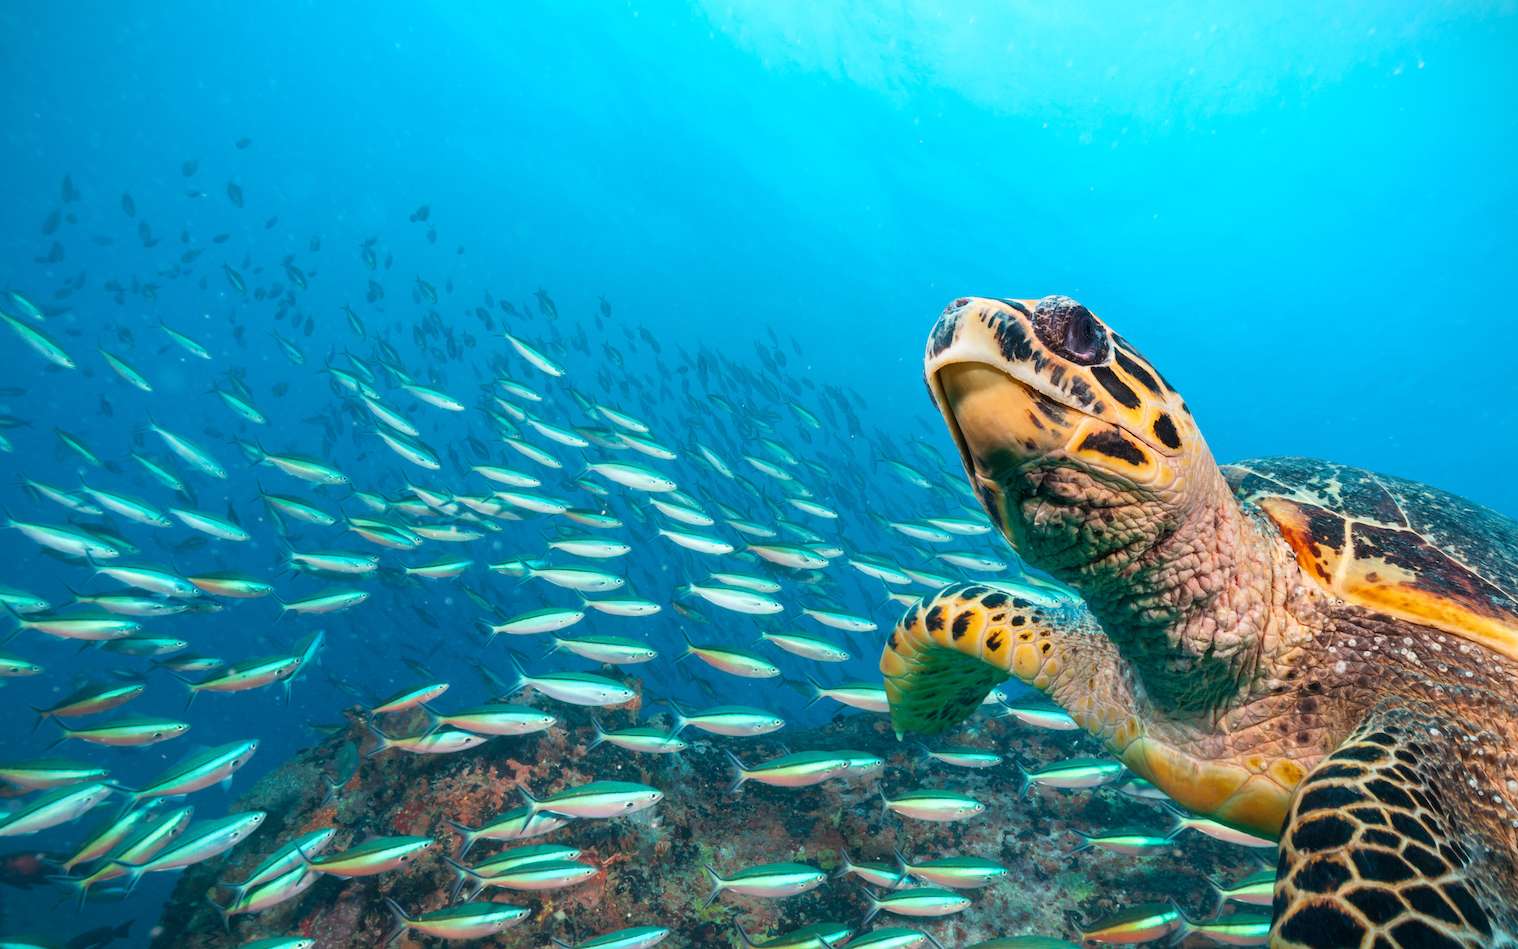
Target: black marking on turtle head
point(935, 619)
point(1164, 430)
point(1113, 445)
point(1115, 387)
point(946, 328)
point(1082, 393)
point(1137, 372)
point(1011, 338)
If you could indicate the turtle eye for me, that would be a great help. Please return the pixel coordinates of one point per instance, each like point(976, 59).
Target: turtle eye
point(1069, 329)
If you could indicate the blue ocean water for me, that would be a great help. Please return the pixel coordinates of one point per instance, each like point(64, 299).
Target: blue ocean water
point(1304, 218)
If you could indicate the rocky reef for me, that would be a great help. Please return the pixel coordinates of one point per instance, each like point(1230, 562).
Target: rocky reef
point(652, 863)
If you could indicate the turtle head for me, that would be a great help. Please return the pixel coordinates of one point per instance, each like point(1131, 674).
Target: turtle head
point(1080, 451)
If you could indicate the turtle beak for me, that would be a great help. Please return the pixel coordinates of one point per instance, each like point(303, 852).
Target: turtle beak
point(995, 420)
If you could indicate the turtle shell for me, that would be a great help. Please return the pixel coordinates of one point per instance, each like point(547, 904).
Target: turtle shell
point(1393, 546)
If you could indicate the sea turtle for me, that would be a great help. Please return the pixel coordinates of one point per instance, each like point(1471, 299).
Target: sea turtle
point(1298, 648)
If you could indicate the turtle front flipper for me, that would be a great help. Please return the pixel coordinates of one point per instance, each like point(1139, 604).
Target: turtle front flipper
point(951, 649)
point(1383, 846)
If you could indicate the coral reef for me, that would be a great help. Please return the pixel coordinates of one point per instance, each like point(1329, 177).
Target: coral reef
point(652, 862)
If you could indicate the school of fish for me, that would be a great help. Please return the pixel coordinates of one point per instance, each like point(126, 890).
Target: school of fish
point(496, 485)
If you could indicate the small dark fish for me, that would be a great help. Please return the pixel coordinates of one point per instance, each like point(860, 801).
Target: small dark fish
point(68, 192)
point(271, 223)
point(189, 168)
point(50, 224)
point(421, 213)
point(24, 869)
point(234, 193)
point(244, 142)
point(99, 937)
point(128, 205)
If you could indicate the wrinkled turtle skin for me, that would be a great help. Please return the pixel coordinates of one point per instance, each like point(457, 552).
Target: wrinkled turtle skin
point(1301, 649)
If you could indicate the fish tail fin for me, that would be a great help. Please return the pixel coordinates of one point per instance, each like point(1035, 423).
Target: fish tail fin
point(845, 865)
point(874, 909)
point(743, 937)
point(600, 733)
point(818, 692)
point(1177, 815)
point(461, 876)
point(1188, 925)
point(188, 684)
point(133, 873)
point(384, 740)
point(681, 720)
point(399, 918)
point(1024, 779)
point(222, 911)
point(42, 716)
point(740, 767)
point(717, 885)
point(332, 788)
point(519, 672)
point(467, 837)
point(901, 866)
point(1084, 845)
point(79, 884)
point(1220, 893)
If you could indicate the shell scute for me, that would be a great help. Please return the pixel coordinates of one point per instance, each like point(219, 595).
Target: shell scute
point(1392, 545)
